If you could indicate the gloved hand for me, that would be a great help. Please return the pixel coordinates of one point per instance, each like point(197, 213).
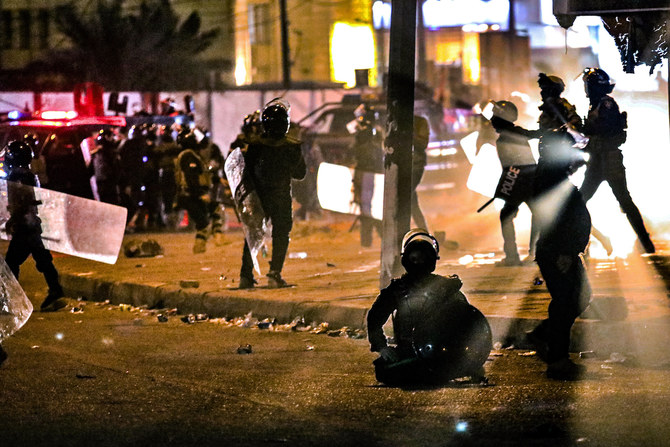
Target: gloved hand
point(389, 354)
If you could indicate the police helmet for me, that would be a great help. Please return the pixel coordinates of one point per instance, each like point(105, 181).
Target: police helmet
point(105, 135)
point(187, 140)
point(505, 110)
point(551, 86)
point(252, 123)
point(275, 118)
point(420, 251)
point(18, 154)
point(597, 82)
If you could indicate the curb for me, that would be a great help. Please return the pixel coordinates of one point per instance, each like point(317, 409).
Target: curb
point(216, 305)
point(600, 336)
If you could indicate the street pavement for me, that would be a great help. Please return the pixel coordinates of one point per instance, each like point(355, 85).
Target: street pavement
point(98, 374)
point(335, 281)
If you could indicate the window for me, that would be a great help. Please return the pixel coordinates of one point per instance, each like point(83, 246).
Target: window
point(259, 23)
point(6, 31)
point(43, 28)
point(24, 29)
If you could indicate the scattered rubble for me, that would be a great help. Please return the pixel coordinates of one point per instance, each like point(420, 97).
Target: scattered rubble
point(189, 284)
point(244, 349)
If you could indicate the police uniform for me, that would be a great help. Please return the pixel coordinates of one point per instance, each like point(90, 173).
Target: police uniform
point(438, 335)
point(513, 150)
point(419, 159)
point(564, 234)
point(272, 163)
point(565, 227)
point(605, 126)
point(194, 183)
point(25, 227)
point(369, 157)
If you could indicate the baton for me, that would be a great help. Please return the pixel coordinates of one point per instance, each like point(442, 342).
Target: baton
point(481, 208)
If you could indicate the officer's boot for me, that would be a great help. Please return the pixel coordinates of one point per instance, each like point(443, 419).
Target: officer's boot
point(275, 281)
point(200, 241)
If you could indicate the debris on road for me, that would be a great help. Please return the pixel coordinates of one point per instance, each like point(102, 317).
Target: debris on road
point(190, 318)
point(244, 349)
point(297, 255)
point(189, 284)
point(142, 249)
point(84, 376)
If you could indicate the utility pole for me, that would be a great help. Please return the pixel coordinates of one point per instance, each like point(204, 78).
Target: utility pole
point(422, 69)
point(400, 127)
point(285, 50)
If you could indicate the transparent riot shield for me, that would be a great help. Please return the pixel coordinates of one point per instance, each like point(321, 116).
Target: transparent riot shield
point(336, 191)
point(15, 307)
point(256, 226)
point(72, 225)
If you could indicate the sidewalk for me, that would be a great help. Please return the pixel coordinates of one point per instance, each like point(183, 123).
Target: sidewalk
point(336, 281)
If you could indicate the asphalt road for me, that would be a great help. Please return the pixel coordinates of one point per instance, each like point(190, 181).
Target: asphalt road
point(108, 376)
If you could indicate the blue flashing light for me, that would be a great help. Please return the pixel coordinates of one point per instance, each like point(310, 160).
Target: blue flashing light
point(14, 115)
point(145, 159)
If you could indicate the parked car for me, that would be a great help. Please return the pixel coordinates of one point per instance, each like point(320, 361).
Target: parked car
point(326, 138)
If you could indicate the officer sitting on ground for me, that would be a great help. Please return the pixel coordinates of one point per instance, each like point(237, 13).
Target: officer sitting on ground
point(439, 336)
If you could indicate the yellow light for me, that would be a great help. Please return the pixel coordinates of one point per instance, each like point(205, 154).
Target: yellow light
point(471, 63)
point(448, 52)
point(240, 71)
point(352, 46)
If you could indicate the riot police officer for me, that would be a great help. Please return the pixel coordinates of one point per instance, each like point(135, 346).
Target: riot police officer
point(513, 150)
point(24, 225)
point(605, 126)
point(439, 336)
point(565, 225)
point(193, 187)
point(272, 161)
point(369, 155)
point(105, 161)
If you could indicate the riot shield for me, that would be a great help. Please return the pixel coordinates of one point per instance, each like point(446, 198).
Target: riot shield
point(516, 183)
point(72, 225)
point(335, 190)
point(15, 307)
point(256, 226)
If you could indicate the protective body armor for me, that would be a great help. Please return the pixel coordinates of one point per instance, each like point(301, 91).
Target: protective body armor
point(434, 326)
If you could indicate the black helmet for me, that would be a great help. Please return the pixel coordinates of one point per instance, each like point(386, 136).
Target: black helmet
point(275, 118)
point(187, 140)
point(420, 251)
point(550, 86)
point(597, 83)
point(505, 110)
point(18, 154)
point(105, 135)
point(252, 123)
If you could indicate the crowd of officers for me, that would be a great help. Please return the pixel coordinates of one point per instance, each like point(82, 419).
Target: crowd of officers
point(154, 171)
